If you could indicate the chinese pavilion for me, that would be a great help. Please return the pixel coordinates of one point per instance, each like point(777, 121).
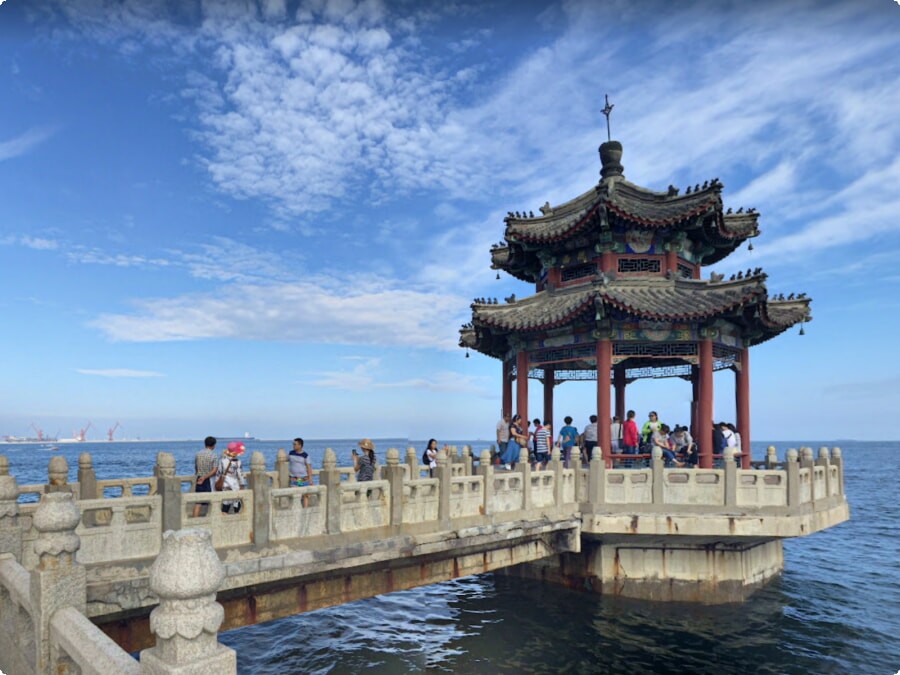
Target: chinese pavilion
point(620, 296)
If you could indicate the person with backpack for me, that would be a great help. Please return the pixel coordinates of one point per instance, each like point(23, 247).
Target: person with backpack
point(429, 456)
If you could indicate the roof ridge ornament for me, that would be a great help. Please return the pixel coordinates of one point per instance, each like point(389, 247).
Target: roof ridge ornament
point(611, 151)
point(607, 109)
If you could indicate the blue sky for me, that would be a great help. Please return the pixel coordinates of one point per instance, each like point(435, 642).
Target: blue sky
point(234, 216)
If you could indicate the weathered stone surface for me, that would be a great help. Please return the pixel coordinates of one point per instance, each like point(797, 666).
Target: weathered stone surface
point(185, 576)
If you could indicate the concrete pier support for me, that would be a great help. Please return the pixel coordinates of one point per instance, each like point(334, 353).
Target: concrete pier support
point(662, 569)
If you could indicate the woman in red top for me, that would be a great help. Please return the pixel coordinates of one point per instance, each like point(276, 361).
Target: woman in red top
point(630, 436)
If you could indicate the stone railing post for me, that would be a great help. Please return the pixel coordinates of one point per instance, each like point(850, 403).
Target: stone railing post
point(556, 465)
point(807, 462)
point(58, 581)
point(657, 465)
point(486, 470)
point(169, 489)
point(597, 484)
point(524, 467)
point(467, 459)
point(10, 530)
point(282, 466)
point(87, 479)
point(262, 499)
point(806, 458)
point(838, 461)
point(771, 457)
point(443, 472)
point(824, 460)
point(412, 461)
point(330, 477)
point(575, 463)
point(730, 476)
point(393, 474)
point(57, 475)
point(185, 577)
point(793, 477)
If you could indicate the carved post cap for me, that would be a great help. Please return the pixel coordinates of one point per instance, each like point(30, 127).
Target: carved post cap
point(85, 461)
point(393, 457)
point(836, 453)
point(656, 453)
point(187, 566)
point(727, 454)
point(411, 454)
point(165, 464)
point(442, 458)
point(523, 455)
point(329, 461)
point(454, 450)
point(823, 453)
point(806, 453)
point(555, 453)
point(4, 466)
point(281, 455)
point(58, 470)
point(258, 462)
point(792, 455)
point(597, 454)
point(55, 519)
point(485, 458)
point(466, 450)
point(771, 451)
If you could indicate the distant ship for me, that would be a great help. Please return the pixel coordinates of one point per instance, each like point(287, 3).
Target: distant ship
point(245, 437)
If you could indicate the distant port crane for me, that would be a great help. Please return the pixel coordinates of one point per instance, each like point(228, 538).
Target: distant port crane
point(82, 432)
point(39, 432)
point(111, 431)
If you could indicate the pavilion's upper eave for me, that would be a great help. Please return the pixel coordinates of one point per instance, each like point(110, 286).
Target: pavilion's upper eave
point(628, 202)
point(651, 298)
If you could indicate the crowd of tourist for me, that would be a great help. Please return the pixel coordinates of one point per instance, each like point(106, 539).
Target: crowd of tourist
point(676, 443)
point(226, 472)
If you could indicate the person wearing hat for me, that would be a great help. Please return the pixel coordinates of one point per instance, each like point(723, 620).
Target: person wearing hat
point(232, 473)
point(364, 464)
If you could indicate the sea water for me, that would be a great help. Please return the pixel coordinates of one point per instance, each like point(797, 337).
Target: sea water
point(834, 609)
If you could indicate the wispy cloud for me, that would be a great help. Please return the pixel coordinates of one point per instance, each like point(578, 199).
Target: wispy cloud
point(361, 310)
point(22, 144)
point(118, 372)
point(367, 376)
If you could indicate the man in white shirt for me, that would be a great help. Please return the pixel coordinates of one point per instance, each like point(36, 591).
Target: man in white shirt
point(590, 438)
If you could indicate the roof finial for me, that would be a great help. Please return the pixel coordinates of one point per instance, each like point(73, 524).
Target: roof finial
point(606, 111)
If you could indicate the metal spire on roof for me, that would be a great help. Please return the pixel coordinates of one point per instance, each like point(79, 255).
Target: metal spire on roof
point(606, 111)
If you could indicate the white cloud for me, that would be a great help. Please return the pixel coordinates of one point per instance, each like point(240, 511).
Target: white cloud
point(366, 376)
point(118, 372)
point(360, 310)
point(20, 145)
point(39, 243)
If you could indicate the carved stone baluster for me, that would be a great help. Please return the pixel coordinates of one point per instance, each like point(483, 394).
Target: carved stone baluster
point(87, 478)
point(58, 581)
point(393, 474)
point(10, 531)
point(185, 576)
point(282, 466)
point(57, 475)
point(262, 499)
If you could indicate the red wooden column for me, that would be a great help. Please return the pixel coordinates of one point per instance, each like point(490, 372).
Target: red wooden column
point(695, 397)
point(549, 376)
point(619, 385)
point(742, 404)
point(704, 435)
point(506, 388)
point(604, 363)
point(672, 261)
point(522, 384)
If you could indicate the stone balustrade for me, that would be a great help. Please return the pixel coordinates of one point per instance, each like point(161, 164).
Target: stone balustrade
point(45, 546)
point(43, 626)
point(116, 528)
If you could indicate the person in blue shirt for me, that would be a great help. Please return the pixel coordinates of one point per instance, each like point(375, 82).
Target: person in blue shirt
point(568, 435)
